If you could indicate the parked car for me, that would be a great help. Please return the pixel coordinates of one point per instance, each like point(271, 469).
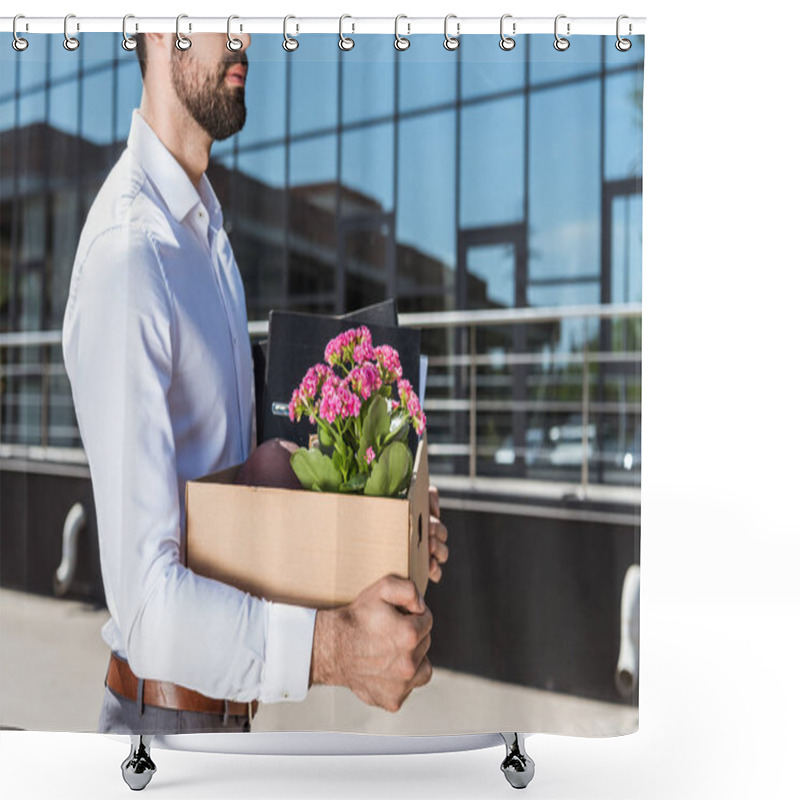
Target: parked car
point(534, 449)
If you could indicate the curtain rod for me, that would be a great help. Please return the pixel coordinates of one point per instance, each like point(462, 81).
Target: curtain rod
point(408, 26)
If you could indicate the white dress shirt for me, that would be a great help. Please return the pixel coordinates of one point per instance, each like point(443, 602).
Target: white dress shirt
point(158, 355)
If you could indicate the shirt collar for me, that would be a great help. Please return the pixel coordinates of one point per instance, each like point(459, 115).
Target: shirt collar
point(168, 176)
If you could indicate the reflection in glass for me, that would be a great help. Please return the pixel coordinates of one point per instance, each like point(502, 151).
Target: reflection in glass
point(367, 169)
point(365, 254)
point(67, 219)
point(583, 57)
point(564, 234)
point(129, 94)
point(32, 63)
point(100, 47)
point(490, 275)
point(315, 85)
point(427, 74)
point(257, 208)
point(492, 157)
point(368, 76)
point(486, 70)
point(96, 122)
point(624, 125)
point(426, 209)
point(626, 249)
point(312, 225)
point(32, 108)
point(6, 115)
point(8, 75)
point(63, 63)
point(64, 107)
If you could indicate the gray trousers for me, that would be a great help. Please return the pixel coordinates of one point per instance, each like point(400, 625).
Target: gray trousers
point(120, 715)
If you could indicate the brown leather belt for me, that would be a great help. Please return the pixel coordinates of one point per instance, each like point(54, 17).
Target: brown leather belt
point(120, 679)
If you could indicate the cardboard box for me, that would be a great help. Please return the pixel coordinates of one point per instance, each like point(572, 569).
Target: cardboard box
point(307, 548)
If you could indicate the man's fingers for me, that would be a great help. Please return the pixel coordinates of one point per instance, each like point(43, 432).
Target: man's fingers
point(423, 623)
point(438, 529)
point(421, 649)
point(434, 570)
point(439, 550)
point(423, 674)
point(401, 592)
point(433, 501)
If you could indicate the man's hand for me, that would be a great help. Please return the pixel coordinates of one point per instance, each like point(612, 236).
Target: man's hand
point(377, 645)
point(437, 536)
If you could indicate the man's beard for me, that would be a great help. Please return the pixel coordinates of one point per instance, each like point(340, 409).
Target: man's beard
point(217, 108)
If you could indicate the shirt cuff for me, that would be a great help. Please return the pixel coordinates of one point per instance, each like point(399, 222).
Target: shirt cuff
point(289, 632)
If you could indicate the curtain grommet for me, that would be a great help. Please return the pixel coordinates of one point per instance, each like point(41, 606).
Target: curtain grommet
point(290, 44)
point(70, 42)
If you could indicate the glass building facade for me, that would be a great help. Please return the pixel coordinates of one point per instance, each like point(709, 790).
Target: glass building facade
point(467, 180)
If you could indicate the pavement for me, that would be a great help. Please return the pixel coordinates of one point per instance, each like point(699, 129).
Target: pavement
point(53, 662)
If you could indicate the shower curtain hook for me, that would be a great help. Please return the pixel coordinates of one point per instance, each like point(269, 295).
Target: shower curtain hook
point(400, 42)
point(128, 42)
point(290, 44)
point(70, 42)
point(451, 42)
point(18, 43)
point(345, 43)
point(181, 41)
point(561, 43)
point(234, 44)
point(506, 42)
point(623, 45)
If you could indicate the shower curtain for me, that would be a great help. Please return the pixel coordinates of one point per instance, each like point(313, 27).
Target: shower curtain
point(494, 197)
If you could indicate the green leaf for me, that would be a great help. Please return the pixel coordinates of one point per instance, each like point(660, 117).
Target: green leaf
point(315, 470)
point(355, 484)
point(391, 472)
point(376, 424)
point(325, 436)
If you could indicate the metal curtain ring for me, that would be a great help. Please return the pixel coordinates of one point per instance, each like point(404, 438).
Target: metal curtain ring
point(18, 43)
point(70, 42)
point(560, 43)
point(623, 45)
point(345, 43)
point(128, 42)
point(400, 42)
point(290, 44)
point(451, 42)
point(506, 42)
point(234, 44)
point(181, 42)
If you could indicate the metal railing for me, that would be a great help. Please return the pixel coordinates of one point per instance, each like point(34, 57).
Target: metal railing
point(465, 399)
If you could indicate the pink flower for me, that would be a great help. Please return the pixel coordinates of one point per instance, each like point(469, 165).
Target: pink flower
point(410, 403)
point(370, 455)
point(341, 348)
point(330, 406)
point(365, 380)
point(351, 404)
point(389, 361)
point(363, 352)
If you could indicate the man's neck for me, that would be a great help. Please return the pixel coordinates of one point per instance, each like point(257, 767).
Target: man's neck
point(180, 134)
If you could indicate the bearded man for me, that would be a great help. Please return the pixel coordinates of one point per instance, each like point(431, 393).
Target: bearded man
point(158, 355)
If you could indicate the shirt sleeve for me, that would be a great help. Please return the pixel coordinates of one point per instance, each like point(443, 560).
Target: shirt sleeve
point(176, 625)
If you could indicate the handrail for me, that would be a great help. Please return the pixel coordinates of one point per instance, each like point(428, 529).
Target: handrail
point(470, 360)
point(429, 319)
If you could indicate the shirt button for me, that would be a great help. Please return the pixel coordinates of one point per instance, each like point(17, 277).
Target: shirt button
point(286, 695)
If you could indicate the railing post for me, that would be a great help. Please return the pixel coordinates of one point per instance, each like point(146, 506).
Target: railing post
point(45, 394)
point(585, 413)
point(473, 403)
